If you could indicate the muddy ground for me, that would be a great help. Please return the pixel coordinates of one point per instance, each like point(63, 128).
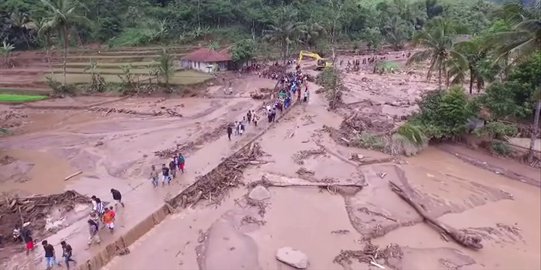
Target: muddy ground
point(302, 169)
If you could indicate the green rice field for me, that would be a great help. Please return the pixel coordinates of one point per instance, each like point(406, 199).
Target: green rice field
point(186, 77)
point(13, 98)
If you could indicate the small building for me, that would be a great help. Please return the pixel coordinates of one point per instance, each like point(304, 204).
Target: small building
point(207, 60)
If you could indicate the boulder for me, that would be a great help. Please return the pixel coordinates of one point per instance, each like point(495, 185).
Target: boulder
point(259, 193)
point(292, 257)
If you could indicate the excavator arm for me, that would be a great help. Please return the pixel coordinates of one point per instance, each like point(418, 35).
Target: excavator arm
point(321, 62)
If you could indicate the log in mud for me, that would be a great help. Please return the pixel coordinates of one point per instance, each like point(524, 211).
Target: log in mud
point(462, 237)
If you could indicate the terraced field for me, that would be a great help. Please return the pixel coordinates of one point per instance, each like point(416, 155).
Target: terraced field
point(33, 67)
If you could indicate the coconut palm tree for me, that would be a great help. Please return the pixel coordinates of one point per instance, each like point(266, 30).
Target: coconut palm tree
point(519, 44)
point(285, 30)
point(523, 41)
point(437, 46)
point(61, 17)
point(476, 64)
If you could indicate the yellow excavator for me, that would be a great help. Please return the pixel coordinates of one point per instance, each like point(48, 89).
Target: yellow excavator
point(321, 62)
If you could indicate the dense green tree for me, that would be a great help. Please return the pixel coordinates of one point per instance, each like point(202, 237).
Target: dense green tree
point(243, 51)
point(61, 17)
point(285, 30)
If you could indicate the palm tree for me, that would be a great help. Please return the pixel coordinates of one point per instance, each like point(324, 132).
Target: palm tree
point(475, 56)
point(285, 30)
point(437, 43)
point(62, 16)
point(521, 42)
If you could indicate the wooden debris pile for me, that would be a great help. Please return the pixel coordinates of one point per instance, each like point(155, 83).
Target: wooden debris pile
point(369, 254)
point(164, 111)
point(214, 185)
point(300, 156)
point(15, 211)
point(262, 93)
point(373, 123)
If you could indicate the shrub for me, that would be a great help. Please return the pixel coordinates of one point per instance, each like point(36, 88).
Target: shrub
point(412, 133)
point(371, 141)
point(58, 88)
point(500, 148)
point(444, 114)
point(497, 130)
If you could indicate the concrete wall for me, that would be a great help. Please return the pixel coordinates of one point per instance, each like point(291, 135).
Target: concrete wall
point(203, 66)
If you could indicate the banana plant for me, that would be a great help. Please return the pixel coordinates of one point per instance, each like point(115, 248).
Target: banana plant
point(5, 51)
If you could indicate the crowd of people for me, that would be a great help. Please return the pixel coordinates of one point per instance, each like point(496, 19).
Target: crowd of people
point(168, 172)
point(289, 85)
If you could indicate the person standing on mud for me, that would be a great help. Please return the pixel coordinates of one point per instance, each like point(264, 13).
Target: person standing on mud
point(117, 196)
point(93, 230)
point(67, 252)
point(165, 175)
point(173, 167)
point(181, 162)
point(154, 176)
point(50, 259)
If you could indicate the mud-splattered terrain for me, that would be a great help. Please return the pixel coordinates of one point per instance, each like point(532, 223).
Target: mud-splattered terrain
point(331, 202)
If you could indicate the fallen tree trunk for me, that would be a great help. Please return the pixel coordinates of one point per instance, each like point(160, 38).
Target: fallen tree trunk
point(464, 239)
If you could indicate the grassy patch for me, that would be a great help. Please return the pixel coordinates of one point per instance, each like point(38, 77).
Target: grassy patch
point(12, 98)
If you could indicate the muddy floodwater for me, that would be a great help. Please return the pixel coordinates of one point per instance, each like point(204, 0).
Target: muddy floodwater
point(308, 190)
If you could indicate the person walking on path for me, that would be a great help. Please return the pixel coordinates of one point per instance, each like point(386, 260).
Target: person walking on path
point(67, 252)
point(173, 167)
point(117, 196)
point(229, 132)
point(181, 162)
point(154, 176)
point(93, 230)
point(98, 206)
point(249, 116)
point(165, 175)
point(50, 259)
point(108, 219)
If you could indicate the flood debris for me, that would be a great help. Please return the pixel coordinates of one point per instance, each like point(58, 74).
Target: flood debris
point(300, 156)
point(370, 254)
point(15, 211)
point(215, 184)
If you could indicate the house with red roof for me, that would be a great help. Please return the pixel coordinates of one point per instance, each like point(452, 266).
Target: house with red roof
point(207, 60)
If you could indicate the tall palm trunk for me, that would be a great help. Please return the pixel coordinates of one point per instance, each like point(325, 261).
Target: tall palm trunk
point(65, 56)
point(471, 80)
point(439, 76)
point(535, 131)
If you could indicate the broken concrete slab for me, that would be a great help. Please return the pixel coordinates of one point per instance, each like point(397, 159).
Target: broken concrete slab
point(292, 257)
point(259, 193)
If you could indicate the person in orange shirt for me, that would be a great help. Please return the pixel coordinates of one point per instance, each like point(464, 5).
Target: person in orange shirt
point(108, 219)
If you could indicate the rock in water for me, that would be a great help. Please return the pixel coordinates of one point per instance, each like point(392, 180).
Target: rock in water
point(259, 193)
point(292, 257)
